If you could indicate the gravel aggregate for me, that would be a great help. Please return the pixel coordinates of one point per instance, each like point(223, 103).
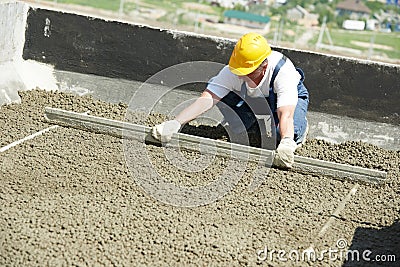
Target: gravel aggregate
point(69, 198)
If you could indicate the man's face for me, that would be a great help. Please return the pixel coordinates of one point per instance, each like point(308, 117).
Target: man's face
point(256, 76)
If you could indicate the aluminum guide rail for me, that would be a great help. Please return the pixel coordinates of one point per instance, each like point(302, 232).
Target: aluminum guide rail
point(210, 146)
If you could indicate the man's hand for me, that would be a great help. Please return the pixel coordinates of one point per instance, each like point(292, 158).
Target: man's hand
point(164, 131)
point(284, 156)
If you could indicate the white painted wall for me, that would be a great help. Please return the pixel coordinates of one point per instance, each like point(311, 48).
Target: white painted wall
point(15, 73)
point(12, 30)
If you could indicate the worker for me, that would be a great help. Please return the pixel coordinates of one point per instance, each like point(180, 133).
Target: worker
point(254, 72)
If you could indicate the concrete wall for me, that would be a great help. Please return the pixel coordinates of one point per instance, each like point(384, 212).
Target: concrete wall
point(89, 45)
point(350, 87)
point(114, 49)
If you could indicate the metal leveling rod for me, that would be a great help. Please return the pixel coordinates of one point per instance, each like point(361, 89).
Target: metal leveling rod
point(227, 149)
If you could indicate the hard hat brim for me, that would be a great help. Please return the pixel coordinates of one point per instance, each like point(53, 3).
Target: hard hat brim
point(241, 71)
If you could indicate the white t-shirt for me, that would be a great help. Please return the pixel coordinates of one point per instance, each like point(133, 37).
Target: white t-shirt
point(285, 85)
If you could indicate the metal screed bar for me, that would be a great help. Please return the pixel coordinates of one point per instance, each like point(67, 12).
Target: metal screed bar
point(221, 148)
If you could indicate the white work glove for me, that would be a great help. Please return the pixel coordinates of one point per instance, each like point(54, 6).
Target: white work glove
point(164, 131)
point(284, 156)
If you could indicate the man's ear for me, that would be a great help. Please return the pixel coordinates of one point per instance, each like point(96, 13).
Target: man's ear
point(265, 63)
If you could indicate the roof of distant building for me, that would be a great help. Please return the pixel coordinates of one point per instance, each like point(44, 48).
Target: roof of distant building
point(246, 16)
point(353, 5)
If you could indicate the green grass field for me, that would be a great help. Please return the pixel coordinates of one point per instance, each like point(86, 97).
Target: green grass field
point(103, 4)
point(114, 4)
point(384, 43)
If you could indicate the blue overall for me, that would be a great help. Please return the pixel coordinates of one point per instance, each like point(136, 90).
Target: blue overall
point(245, 107)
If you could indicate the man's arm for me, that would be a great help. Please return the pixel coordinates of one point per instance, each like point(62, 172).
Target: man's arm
point(165, 130)
point(284, 156)
point(205, 102)
point(286, 124)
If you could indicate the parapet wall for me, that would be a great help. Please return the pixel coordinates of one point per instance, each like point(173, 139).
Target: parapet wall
point(84, 44)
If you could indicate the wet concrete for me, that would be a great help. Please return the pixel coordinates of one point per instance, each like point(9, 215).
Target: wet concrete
point(68, 198)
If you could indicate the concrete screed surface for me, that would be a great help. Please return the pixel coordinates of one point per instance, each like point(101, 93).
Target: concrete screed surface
point(67, 198)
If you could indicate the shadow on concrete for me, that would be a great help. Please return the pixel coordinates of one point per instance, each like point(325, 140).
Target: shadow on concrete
point(213, 132)
point(219, 132)
point(375, 247)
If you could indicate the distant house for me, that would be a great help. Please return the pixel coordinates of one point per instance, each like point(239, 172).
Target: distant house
point(356, 9)
point(296, 13)
point(246, 19)
point(388, 21)
point(355, 25)
point(302, 16)
point(229, 3)
point(392, 2)
point(280, 2)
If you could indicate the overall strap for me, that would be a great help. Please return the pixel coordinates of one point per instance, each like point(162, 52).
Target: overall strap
point(272, 98)
point(243, 90)
point(243, 93)
point(276, 70)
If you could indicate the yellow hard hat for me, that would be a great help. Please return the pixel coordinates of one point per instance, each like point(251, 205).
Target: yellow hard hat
point(249, 52)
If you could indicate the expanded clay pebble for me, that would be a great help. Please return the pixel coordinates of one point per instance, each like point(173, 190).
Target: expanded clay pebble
point(68, 198)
